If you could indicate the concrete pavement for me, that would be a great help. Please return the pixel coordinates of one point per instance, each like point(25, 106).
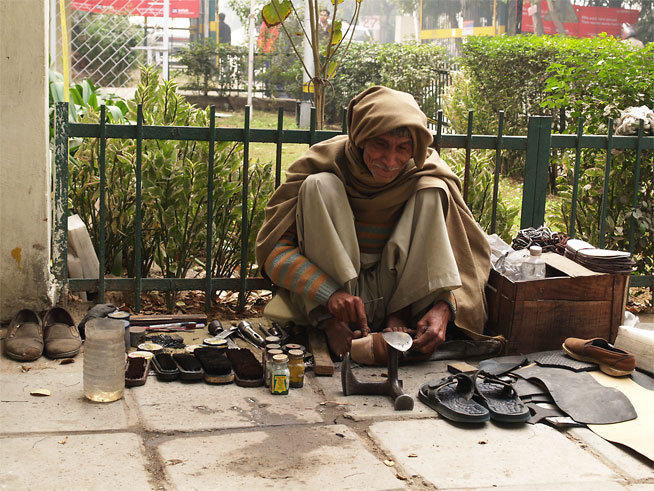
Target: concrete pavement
point(167, 436)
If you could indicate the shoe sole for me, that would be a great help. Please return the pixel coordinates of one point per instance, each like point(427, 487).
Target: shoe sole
point(20, 357)
point(614, 372)
point(68, 354)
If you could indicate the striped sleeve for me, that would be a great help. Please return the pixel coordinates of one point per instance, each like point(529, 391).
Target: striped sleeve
point(291, 270)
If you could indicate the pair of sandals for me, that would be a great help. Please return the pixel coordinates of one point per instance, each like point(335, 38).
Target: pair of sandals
point(474, 397)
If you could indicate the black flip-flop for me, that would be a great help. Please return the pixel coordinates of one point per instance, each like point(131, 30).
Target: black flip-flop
point(500, 398)
point(451, 397)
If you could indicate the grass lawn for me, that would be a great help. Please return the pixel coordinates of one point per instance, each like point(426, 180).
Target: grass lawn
point(266, 152)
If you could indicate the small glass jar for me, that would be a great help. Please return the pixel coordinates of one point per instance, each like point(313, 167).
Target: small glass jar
point(279, 375)
point(272, 339)
point(270, 352)
point(296, 368)
point(289, 346)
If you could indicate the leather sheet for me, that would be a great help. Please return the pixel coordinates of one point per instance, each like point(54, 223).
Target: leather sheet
point(637, 434)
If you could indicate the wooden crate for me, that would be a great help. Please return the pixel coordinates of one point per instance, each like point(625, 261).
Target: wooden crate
point(571, 301)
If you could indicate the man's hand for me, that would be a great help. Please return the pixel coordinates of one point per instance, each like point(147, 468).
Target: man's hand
point(339, 336)
point(348, 309)
point(431, 329)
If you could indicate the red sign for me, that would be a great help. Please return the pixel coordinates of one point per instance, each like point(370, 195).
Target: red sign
point(146, 8)
point(590, 21)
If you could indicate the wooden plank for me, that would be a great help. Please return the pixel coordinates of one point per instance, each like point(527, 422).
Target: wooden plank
point(322, 362)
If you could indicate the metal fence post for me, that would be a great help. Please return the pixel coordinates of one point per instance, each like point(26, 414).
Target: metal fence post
point(60, 234)
point(534, 192)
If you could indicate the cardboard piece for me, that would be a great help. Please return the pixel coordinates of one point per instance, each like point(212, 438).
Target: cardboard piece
point(637, 434)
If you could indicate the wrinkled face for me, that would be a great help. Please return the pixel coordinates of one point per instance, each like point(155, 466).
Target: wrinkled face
point(324, 17)
point(386, 155)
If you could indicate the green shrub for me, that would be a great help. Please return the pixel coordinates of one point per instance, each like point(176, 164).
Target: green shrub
point(174, 190)
point(593, 78)
point(367, 64)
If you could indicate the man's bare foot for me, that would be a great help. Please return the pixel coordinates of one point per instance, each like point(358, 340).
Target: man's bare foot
point(339, 336)
point(398, 322)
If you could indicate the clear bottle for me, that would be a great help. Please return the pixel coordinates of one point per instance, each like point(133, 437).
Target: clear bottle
point(533, 268)
point(104, 360)
point(271, 350)
point(279, 375)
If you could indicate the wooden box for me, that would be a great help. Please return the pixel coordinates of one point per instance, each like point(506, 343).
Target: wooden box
point(572, 301)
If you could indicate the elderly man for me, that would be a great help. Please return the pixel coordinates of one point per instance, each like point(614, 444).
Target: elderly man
point(370, 232)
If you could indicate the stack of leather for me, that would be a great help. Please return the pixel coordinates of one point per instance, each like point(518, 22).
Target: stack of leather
point(600, 260)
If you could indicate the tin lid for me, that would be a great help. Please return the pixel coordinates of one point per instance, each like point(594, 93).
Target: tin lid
point(216, 342)
point(280, 358)
point(119, 314)
point(295, 353)
point(136, 330)
point(291, 346)
point(275, 352)
point(150, 347)
point(272, 339)
point(273, 346)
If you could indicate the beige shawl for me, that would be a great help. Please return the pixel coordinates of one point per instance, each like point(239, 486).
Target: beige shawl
point(376, 111)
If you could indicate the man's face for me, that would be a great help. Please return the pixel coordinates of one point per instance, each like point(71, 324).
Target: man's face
point(386, 155)
point(324, 17)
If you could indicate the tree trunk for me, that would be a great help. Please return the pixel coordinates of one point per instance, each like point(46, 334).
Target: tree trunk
point(555, 16)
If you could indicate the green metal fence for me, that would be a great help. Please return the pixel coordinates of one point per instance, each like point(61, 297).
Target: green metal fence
point(537, 145)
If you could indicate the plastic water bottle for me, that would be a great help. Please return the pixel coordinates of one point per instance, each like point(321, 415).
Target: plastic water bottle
point(104, 360)
point(533, 268)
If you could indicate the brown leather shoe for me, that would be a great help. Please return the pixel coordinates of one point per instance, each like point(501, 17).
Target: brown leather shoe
point(611, 360)
point(24, 340)
point(62, 339)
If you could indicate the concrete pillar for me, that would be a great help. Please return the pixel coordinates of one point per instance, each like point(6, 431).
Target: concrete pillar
point(25, 216)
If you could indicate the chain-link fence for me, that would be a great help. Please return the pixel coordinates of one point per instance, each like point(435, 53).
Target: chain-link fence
point(107, 40)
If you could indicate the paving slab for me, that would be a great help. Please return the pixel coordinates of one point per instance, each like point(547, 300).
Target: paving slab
point(66, 409)
point(458, 456)
point(364, 408)
point(178, 406)
point(627, 463)
point(322, 457)
point(71, 462)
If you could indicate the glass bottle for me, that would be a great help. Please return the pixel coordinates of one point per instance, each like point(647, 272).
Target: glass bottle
point(104, 360)
point(533, 268)
point(279, 375)
point(271, 350)
point(296, 367)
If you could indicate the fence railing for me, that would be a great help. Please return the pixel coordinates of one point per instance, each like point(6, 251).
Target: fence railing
point(537, 145)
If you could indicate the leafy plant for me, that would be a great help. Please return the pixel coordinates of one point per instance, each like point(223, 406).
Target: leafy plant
point(367, 64)
point(174, 190)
